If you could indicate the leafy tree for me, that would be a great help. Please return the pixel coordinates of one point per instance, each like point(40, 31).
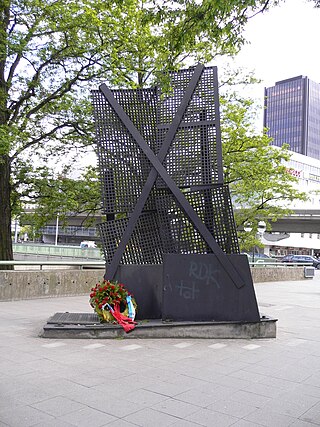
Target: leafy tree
point(61, 196)
point(52, 52)
point(260, 185)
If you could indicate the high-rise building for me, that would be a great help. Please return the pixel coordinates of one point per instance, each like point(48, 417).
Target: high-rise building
point(292, 115)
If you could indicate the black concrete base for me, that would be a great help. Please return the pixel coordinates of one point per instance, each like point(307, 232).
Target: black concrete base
point(87, 325)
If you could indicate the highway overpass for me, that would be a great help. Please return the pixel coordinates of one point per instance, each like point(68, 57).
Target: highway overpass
point(302, 221)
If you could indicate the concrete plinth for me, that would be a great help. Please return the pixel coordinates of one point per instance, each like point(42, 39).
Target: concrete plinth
point(86, 325)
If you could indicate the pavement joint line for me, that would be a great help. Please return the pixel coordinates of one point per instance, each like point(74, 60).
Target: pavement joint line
point(251, 346)
point(183, 345)
point(93, 346)
point(294, 343)
point(217, 345)
point(131, 347)
point(284, 307)
point(54, 344)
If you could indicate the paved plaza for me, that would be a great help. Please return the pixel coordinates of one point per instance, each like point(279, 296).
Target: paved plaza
point(169, 382)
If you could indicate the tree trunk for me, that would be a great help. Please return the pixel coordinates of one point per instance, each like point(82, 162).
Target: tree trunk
point(6, 252)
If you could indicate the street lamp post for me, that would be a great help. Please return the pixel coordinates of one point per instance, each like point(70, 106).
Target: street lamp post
point(261, 229)
point(57, 230)
point(16, 230)
point(248, 228)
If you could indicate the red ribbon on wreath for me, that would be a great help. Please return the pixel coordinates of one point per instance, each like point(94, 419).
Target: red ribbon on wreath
point(126, 322)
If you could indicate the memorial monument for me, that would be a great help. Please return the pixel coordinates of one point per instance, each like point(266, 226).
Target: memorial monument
point(169, 233)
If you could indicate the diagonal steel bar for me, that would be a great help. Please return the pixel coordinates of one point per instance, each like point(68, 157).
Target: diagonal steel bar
point(158, 168)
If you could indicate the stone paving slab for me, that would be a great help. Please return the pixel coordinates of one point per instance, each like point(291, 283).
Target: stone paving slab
point(155, 382)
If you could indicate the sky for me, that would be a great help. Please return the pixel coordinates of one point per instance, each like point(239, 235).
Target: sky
point(283, 43)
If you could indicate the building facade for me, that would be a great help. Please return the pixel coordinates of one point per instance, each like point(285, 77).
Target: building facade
point(292, 115)
point(307, 171)
point(70, 232)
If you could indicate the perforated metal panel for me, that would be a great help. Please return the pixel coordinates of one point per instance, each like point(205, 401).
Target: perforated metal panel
point(144, 247)
point(214, 208)
point(194, 157)
point(123, 166)
point(192, 161)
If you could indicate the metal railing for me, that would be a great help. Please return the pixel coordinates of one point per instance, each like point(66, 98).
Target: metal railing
point(56, 251)
point(261, 263)
point(80, 264)
point(101, 264)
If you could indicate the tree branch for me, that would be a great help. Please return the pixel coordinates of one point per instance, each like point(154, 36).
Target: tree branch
point(40, 138)
point(16, 105)
point(261, 10)
point(24, 42)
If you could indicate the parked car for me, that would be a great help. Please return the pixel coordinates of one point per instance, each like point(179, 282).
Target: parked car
point(286, 258)
point(302, 259)
point(260, 258)
point(258, 255)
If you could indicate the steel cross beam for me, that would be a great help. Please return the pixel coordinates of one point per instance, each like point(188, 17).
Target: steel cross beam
point(158, 168)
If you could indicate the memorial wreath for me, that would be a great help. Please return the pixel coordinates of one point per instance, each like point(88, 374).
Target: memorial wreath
point(114, 303)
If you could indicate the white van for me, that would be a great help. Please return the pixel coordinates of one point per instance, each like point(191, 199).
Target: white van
point(87, 244)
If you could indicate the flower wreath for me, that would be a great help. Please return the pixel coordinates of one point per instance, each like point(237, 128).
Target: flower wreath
point(114, 303)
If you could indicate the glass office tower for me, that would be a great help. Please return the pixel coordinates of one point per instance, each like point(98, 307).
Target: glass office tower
point(292, 115)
